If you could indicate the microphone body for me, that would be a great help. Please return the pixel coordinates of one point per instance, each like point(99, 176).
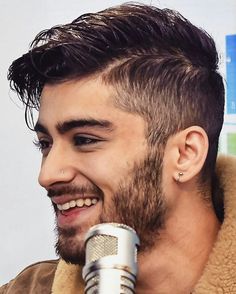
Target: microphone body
point(111, 259)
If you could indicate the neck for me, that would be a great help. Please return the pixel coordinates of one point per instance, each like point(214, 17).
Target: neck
point(176, 262)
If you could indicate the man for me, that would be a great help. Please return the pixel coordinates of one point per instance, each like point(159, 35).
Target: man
point(130, 111)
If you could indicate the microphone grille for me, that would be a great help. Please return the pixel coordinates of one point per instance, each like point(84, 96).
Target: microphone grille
point(100, 246)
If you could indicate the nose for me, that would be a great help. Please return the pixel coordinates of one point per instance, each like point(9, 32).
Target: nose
point(57, 167)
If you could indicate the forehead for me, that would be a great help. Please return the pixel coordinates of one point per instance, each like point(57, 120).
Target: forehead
point(76, 96)
point(88, 98)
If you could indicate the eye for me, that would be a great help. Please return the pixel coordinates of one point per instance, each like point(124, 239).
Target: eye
point(42, 145)
point(85, 140)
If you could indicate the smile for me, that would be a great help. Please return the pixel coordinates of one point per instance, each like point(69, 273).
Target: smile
point(82, 202)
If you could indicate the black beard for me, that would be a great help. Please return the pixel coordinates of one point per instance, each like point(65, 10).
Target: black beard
point(138, 202)
point(68, 248)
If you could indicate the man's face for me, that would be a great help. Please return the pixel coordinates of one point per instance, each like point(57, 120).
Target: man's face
point(96, 165)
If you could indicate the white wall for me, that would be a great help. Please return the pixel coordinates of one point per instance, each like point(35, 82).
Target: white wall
point(26, 218)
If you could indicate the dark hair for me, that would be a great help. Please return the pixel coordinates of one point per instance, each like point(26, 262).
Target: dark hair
point(162, 67)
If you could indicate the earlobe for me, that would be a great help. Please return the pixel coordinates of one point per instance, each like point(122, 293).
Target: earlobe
point(192, 144)
point(179, 176)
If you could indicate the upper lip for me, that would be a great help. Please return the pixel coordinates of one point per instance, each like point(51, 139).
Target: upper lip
point(67, 198)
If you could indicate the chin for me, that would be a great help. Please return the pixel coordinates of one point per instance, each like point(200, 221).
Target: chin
point(70, 246)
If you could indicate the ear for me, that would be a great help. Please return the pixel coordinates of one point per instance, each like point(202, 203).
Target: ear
point(190, 152)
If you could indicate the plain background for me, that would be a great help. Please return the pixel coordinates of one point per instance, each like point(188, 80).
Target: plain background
point(26, 216)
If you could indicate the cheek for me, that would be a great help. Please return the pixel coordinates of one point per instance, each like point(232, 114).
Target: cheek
point(106, 172)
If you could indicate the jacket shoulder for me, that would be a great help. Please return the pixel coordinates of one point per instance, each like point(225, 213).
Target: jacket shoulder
point(36, 278)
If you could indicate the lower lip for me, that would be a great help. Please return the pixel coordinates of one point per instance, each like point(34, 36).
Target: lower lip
point(74, 216)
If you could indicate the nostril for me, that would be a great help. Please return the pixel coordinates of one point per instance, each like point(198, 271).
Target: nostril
point(53, 174)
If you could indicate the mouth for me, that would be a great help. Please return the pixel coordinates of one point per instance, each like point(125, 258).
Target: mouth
point(75, 211)
point(81, 203)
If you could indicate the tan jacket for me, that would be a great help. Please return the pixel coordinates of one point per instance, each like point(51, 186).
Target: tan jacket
point(219, 275)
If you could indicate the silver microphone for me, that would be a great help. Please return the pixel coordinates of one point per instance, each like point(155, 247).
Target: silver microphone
point(111, 259)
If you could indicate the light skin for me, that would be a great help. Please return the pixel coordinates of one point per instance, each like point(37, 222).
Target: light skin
point(87, 141)
point(191, 228)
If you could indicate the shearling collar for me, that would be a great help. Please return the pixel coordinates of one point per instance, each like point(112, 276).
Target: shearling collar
point(219, 275)
point(68, 279)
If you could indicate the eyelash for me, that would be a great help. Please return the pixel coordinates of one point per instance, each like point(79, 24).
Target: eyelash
point(83, 140)
point(78, 141)
point(40, 144)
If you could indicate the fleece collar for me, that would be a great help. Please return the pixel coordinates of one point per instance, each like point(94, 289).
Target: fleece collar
point(219, 275)
point(68, 279)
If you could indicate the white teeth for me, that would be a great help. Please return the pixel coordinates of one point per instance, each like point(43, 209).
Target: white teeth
point(72, 203)
point(94, 201)
point(87, 202)
point(79, 203)
point(65, 206)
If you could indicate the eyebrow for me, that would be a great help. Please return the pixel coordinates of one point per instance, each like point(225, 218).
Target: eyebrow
point(66, 126)
point(39, 128)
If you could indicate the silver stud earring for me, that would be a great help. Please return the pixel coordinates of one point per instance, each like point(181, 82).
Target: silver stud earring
point(180, 174)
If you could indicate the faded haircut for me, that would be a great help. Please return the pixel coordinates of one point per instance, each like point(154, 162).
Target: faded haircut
point(162, 67)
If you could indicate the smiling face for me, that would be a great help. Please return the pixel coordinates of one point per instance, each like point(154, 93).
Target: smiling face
point(96, 165)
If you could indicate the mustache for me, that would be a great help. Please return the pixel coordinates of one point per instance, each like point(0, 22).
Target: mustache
point(73, 190)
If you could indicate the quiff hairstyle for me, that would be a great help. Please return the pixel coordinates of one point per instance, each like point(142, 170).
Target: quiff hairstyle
point(162, 67)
